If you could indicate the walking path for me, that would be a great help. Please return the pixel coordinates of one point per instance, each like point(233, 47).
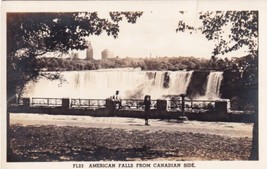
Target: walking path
point(217, 128)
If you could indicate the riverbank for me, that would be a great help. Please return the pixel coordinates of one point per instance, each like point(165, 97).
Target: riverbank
point(105, 139)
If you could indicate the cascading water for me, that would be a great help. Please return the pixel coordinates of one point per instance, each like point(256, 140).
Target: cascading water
point(180, 81)
point(213, 85)
point(102, 84)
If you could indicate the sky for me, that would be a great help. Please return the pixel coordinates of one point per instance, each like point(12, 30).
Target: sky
point(154, 35)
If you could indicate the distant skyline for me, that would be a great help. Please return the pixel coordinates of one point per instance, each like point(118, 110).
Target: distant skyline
point(155, 35)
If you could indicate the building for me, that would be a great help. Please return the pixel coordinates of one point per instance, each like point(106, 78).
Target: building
point(105, 54)
point(89, 51)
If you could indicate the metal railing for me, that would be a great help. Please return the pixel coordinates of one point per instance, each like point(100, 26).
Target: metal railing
point(126, 104)
point(53, 102)
point(191, 104)
point(88, 103)
point(200, 104)
point(174, 104)
point(136, 104)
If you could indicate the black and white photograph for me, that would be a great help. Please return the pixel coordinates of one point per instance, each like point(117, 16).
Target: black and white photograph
point(152, 86)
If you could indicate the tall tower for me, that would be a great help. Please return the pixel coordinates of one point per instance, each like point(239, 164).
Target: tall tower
point(89, 51)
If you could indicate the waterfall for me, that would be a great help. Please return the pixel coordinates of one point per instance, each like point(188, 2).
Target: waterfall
point(101, 84)
point(180, 81)
point(213, 85)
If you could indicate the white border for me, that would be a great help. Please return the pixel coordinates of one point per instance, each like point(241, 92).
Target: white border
point(65, 6)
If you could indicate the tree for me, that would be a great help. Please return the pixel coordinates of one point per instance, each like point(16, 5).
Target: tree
point(31, 35)
point(243, 30)
point(232, 30)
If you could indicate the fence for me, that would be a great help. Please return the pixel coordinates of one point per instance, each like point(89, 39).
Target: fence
point(50, 102)
point(88, 103)
point(126, 104)
point(191, 105)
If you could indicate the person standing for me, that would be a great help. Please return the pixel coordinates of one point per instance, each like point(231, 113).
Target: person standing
point(117, 102)
point(147, 103)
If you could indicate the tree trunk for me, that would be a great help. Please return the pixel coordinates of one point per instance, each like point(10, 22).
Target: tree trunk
point(254, 155)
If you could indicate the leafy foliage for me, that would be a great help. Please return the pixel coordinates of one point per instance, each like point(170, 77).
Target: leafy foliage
point(30, 35)
point(237, 65)
point(243, 31)
point(231, 30)
point(161, 63)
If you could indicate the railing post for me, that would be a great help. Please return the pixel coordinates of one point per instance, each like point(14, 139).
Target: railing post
point(221, 106)
point(221, 110)
point(26, 103)
point(161, 105)
point(65, 103)
point(183, 105)
point(110, 107)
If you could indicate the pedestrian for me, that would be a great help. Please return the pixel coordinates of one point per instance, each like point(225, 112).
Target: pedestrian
point(147, 103)
point(117, 101)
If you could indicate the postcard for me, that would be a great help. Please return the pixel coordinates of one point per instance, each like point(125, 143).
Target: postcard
point(133, 84)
